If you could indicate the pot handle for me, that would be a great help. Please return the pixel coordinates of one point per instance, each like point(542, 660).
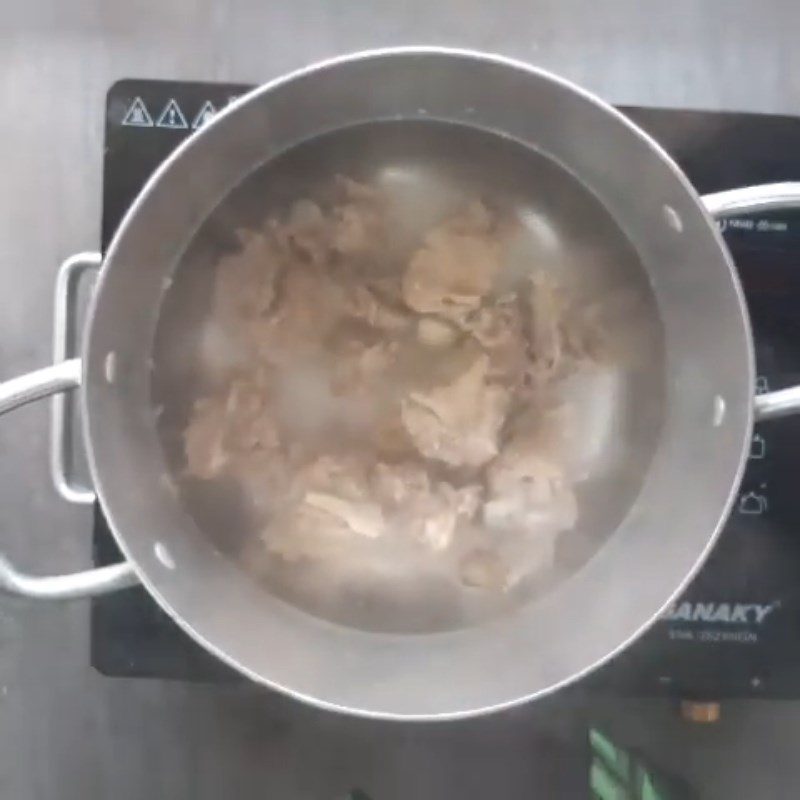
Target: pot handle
point(747, 200)
point(13, 394)
point(64, 347)
point(88, 583)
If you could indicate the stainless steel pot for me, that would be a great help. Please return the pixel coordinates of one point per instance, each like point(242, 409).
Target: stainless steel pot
point(691, 480)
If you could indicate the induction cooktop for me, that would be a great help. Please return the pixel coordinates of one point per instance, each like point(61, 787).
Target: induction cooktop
point(736, 629)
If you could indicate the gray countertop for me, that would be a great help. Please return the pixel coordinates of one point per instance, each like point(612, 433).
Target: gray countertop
point(65, 731)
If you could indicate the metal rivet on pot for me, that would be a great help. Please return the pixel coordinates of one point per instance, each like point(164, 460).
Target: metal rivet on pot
point(718, 414)
point(673, 219)
point(163, 555)
point(110, 367)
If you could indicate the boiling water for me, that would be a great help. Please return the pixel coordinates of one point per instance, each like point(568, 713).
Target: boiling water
point(427, 170)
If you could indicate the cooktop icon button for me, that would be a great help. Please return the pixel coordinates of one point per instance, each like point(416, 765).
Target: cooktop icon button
point(758, 447)
point(753, 503)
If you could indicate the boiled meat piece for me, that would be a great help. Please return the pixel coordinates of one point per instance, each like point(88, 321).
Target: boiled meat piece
point(361, 517)
point(436, 528)
point(359, 225)
point(428, 510)
point(225, 427)
point(202, 439)
point(354, 227)
point(435, 331)
point(456, 266)
point(346, 475)
point(306, 532)
point(249, 417)
point(367, 305)
point(358, 366)
point(328, 505)
point(566, 335)
point(389, 435)
point(438, 519)
point(483, 568)
point(459, 422)
point(265, 479)
point(245, 281)
point(500, 329)
point(307, 307)
point(528, 487)
point(401, 484)
point(306, 233)
point(359, 381)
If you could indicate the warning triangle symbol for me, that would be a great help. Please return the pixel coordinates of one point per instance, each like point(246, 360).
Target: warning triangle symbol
point(137, 115)
point(172, 117)
point(204, 115)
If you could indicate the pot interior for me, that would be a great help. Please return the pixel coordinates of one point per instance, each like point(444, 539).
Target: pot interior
point(427, 170)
